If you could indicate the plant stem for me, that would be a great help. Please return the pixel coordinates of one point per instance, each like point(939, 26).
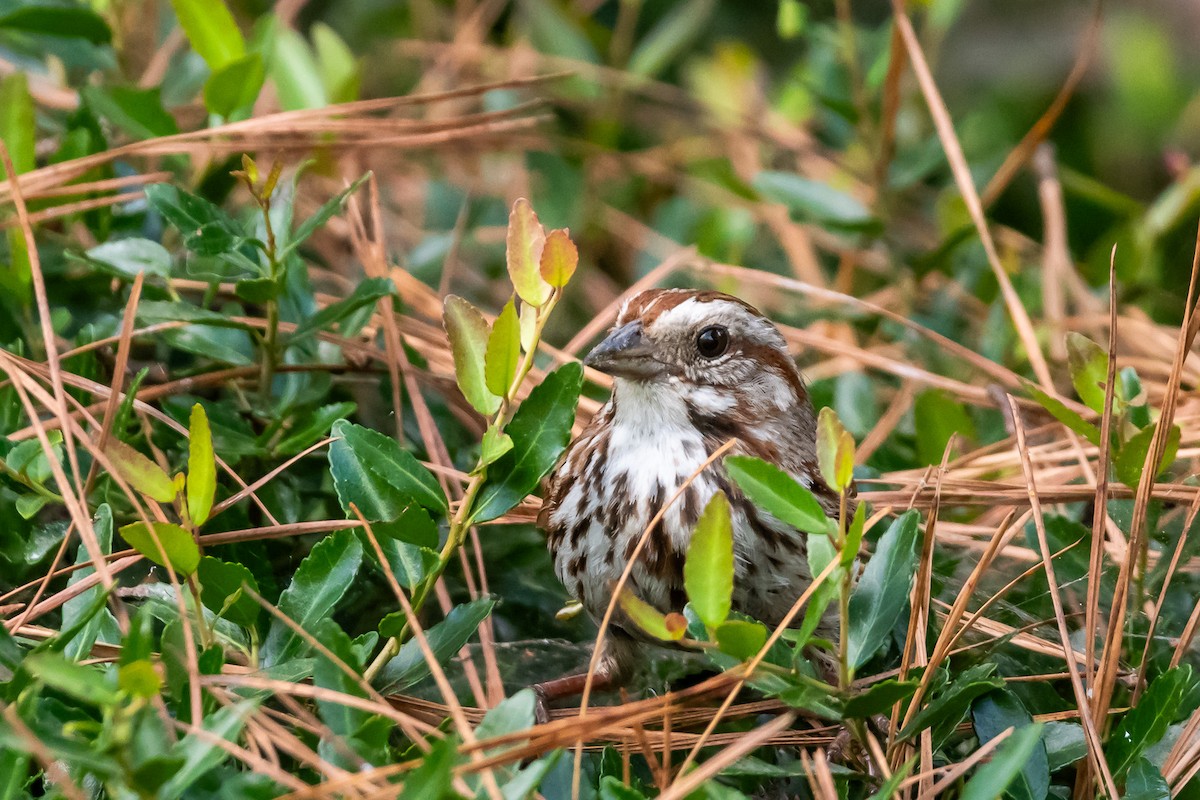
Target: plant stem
point(270, 355)
point(462, 518)
point(845, 673)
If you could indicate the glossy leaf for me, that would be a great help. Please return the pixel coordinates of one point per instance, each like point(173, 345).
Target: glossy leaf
point(992, 779)
point(1146, 723)
point(71, 21)
point(373, 472)
point(201, 753)
point(178, 549)
point(559, 258)
point(524, 244)
point(235, 85)
point(778, 493)
point(445, 639)
point(495, 444)
point(320, 217)
point(202, 467)
point(433, 779)
point(1065, 415)
point(365, 295)
point(318, 585)
point(86, 684)
point(1088, 363)
point(708, 568)
point(667, 627)
point(211, 30)
point(741, 638)
point(222, 592)
point(139, 471)
point(879, 698)
point(820, 553)
point(854, 535)
point(206, 229)
point(342, 719)
point(129, 257)
point(1145, 782)
point(949, 705)
point(1130, 460)
point(503, 354)
point(829, 443)
point(540, 430)
point(138, 112)
point(995, 712)
point(468, 333)
point(880, 598)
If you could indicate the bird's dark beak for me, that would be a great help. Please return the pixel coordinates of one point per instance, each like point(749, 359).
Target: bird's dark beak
point(626, 353)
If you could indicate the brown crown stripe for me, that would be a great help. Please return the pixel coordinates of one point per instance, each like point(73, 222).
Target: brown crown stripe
point(653, 303)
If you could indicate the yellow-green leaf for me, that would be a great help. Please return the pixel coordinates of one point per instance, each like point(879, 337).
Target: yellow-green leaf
point(1088, 364)
point(829, 439)
point(202, 467)
point(503, 351)
point(139, 678)
point(495, 444)
point(844, 465)
point(468, 332)
point(178, 548)
point(524, 245)
point(668, 627)
point(211, 30)
point(708, 569)
point(529, 320)
point(559, 258)
point(140, 472)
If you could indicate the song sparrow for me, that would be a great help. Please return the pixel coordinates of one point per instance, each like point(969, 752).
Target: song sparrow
point(691, 370)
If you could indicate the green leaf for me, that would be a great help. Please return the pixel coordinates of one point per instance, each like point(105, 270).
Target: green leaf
point(1065, 744)
point(178, 547)
point(202, 467)
point(221, 592)
point(524, 244)
point(138, 112)
point(1088, 363)
point(414, 526)
point(708, 568)
point(1145, 782)
point(70, 21)
point(503, 354)
point(992, 779)
point(151, 312)
point(1066, 416)
point(813, 201)
point(512, 715)
point(881, 597)
point(1146, 723)
point(468, 333)
point(18, 125)
point(364, 295)
point(88, 685)
point(200, 754)
point(206, 229)
point(667, 627)
point(86, 612)
point(540, 430)
point(234, 86)
point(323, 215)
point(495, 444)
point(139, 678)
point(139, 471)
point(342, 719)
point(879, 698)
point(411, 564)
point(559, 258)
point(778, 493)
point(1131, 457)
point(295, 72)
point(129, 257)
point(309, 426)
point(319, 583)
point(997, 711)
point(820, 553)
point(434, 778)
point(338, 66)
point(951, 703)
point(937, 416)
point(670, 38)
point(445, 639)
point(376, 474)
point(211, 30)
point(741, 638)
point(854, 535)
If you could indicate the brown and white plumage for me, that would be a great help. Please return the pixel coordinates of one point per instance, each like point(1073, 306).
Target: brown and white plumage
point(673, 404)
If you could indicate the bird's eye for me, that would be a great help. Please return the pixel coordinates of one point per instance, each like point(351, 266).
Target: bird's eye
point(713, 341)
